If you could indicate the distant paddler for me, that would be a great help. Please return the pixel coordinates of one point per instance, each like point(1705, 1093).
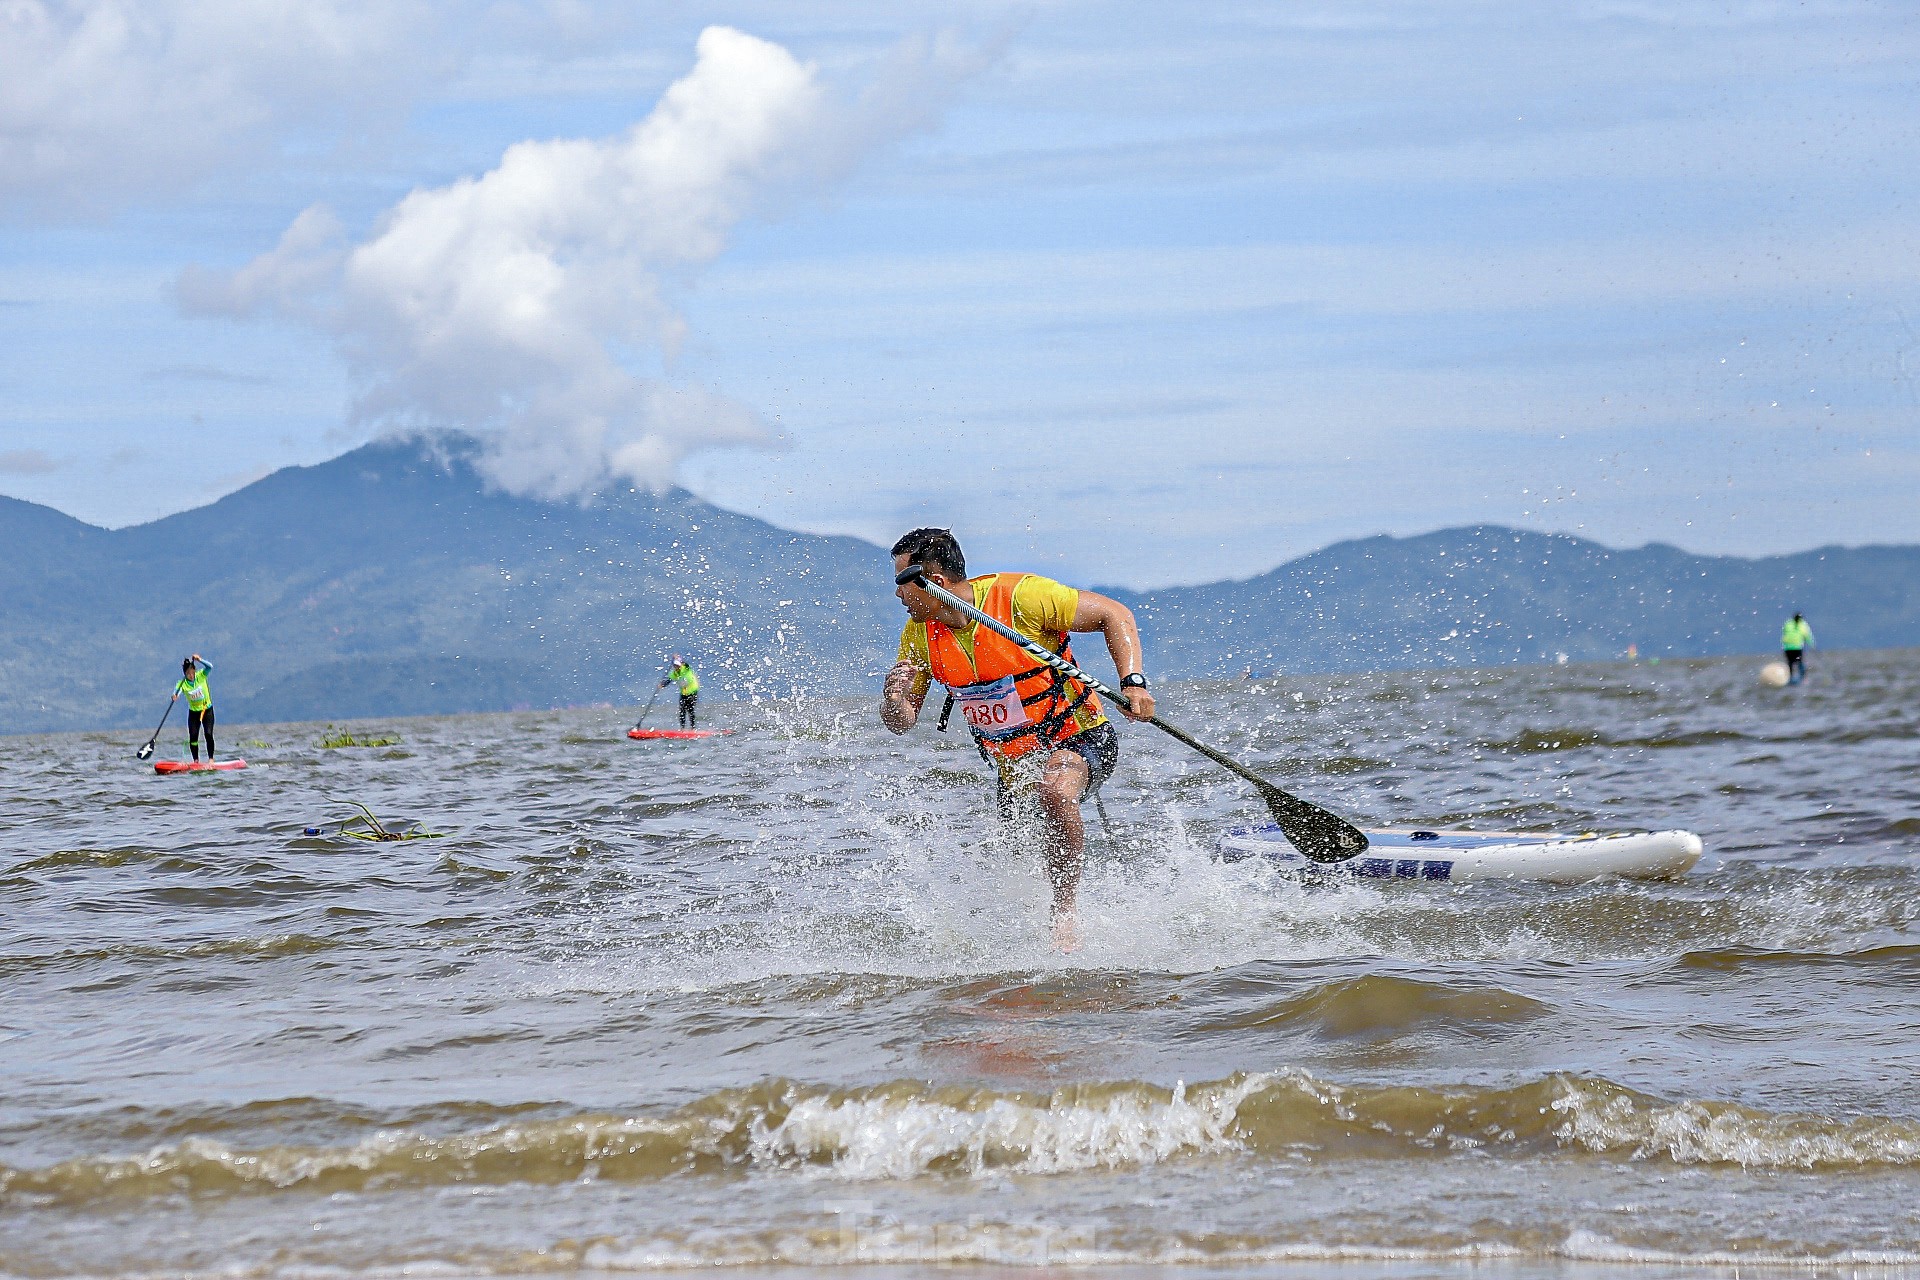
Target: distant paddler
point(1795, 637)
point(1045, 733)
point(193, 683)
point(679, 673)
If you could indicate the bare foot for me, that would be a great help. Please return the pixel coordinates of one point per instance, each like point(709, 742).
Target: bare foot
point(1066, 932)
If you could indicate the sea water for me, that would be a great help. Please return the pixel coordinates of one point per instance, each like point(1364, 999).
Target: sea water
point(786, 998)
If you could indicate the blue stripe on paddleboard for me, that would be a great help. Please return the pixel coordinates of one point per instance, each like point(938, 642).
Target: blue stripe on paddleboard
point(1388, 868)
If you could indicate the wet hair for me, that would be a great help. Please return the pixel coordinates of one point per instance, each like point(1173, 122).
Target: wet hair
point(1796, 617)
point(933, 549)
point(186, 665)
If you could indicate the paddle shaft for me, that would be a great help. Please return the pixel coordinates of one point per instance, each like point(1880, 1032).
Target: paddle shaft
point(649, 709)
point(147, 750)
point(1318, 834)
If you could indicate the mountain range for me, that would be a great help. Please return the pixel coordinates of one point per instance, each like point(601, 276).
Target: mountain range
point(394, 580)
point(1489, 596)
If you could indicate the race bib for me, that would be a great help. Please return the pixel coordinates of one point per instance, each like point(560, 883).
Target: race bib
point(992, 710)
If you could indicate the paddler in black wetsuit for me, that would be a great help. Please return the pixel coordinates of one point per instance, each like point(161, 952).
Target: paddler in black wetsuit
point(193, 683)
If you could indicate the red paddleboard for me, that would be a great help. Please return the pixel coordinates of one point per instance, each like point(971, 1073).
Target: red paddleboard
point(195, 766)
point(678, 733)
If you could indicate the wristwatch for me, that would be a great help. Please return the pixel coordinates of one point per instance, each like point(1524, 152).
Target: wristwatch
point(1134, 681)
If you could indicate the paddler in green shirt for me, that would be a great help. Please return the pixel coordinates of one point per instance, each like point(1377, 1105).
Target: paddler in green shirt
point(193, 683)
point(682, 674)
point(1795, 637)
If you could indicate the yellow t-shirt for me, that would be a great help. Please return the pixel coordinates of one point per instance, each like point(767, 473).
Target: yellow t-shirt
point(1042, 610)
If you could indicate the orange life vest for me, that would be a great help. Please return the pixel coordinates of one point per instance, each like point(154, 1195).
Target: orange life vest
point(1012, 704)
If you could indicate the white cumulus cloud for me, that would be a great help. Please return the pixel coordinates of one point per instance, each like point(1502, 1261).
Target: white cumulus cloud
point(528, 305)
point(107, 101)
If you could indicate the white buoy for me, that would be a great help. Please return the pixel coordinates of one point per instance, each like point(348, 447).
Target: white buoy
point(1774, 675)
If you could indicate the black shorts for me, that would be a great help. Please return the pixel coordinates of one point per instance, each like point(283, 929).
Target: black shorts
point(1098, 746)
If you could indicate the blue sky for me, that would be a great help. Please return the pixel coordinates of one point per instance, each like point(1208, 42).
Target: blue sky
point(1135, 294)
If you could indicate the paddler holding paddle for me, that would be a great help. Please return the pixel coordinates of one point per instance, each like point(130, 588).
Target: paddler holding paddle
point(193, 683)
point(1045, 732)
point(682, 675)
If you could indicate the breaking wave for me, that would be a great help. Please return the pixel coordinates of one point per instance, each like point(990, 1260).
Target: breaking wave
point(908, 1129)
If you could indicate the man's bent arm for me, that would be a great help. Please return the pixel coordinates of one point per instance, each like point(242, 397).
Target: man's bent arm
point(901, 701)
point(1115, 621)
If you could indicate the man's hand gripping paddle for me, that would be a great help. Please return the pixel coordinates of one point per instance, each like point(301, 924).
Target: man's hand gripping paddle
point(1318, 835)
point(147, 750)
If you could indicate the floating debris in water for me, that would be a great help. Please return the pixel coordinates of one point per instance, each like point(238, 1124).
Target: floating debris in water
point(346, 739)
point(366, 826)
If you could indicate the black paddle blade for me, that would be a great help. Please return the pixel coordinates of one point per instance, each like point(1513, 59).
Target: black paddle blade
point(1318, 835)
point(143, 752)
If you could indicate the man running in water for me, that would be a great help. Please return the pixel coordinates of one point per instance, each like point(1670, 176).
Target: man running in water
point(682, 674)
point(193, 683)
point(1795, 637)
point(1046, 734)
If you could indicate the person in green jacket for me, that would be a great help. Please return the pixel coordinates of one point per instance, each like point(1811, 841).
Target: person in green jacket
point(1794, 637)
point(682, 674)
point(193, 683)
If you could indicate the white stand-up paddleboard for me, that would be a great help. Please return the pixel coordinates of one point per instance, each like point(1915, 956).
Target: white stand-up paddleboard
point(1477, 855)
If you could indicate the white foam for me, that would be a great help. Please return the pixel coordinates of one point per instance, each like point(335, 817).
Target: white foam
point(1013, 1244)
point(1032, 1244)
point(882, 1137)
point(890, 877)
point(1691, 1132)
point(1591, 1246)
